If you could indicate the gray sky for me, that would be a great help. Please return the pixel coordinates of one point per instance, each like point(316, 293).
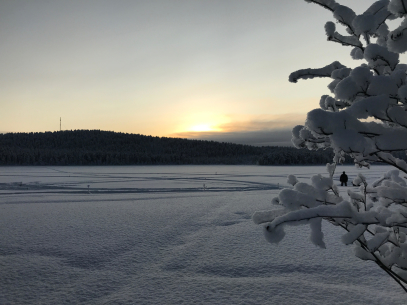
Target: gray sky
point(213, 69)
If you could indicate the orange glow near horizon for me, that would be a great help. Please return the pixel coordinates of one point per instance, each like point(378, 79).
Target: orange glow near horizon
point(202, 122)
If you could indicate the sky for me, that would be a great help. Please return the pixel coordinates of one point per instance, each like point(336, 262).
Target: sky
point(200, 69)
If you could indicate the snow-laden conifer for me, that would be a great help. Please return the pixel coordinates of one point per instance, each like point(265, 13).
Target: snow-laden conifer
point(365, 117)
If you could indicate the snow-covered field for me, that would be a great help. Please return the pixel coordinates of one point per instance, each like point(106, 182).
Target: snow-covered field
point(169, 235)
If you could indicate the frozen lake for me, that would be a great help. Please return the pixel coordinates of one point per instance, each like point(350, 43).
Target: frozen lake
point(169, 235)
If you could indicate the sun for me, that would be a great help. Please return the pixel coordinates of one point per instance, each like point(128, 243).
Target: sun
point(202, 128)
point(201, 122)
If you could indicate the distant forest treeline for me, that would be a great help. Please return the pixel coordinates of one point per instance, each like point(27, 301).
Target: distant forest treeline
point(95, 147)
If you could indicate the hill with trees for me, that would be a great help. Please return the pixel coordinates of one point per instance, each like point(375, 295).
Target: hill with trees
point(96, 147)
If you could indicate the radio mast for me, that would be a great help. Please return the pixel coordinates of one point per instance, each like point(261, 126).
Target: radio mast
point(60, 124)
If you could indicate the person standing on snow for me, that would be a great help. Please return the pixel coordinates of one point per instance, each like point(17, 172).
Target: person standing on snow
point(343, 179)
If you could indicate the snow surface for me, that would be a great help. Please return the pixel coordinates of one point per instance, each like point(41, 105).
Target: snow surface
point(170, 235)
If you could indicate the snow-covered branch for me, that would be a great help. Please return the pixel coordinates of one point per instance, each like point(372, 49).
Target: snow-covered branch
point(366, 118)
point(311, 73)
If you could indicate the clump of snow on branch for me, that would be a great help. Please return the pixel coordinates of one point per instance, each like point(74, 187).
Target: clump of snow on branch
point(364, 117)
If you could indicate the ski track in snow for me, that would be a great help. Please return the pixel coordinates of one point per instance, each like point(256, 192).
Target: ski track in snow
point(156, 235)
point(192, 183)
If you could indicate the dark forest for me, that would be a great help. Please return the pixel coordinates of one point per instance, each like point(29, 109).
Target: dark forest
point(95, 147)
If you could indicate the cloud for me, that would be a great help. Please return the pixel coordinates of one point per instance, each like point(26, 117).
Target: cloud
point(278, 137)
point(266, 130)
point(267, 122)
